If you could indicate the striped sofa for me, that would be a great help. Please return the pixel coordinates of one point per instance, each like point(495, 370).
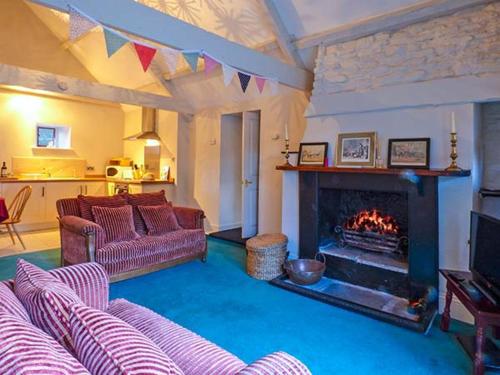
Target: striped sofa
point(83, 240)
point(187, 352)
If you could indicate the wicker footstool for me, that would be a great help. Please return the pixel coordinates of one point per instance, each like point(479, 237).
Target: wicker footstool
point(266, 255)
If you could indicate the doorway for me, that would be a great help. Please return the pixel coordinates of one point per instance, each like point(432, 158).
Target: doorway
point(239, 176)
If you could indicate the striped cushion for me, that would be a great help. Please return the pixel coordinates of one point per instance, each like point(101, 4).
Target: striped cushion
point(192, 353)
point(117, 222)
point(279, 363)
point(159, 219)
point(145, 199)
point(46, 299)
point(86, 202)
point(106, 345)
point(118, 257)
point(10, 304)
point(26, 350)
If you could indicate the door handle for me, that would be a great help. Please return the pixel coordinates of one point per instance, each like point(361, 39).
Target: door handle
point(246, 182)
point(43, 191)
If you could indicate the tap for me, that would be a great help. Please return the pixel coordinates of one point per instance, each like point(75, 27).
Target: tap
point(46, 172)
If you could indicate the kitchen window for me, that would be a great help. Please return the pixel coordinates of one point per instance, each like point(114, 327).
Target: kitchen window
point(53, 136)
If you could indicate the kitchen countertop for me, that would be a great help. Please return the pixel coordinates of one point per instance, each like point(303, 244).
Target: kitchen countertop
point(139, 182)
point(53, 179)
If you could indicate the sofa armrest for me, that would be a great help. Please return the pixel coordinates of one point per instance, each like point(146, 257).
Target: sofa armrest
point(80, 239)
point(189, 218)
point(277, 363)
point(90, 281)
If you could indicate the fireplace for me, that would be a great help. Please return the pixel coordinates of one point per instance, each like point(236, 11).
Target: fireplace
point(379, 233)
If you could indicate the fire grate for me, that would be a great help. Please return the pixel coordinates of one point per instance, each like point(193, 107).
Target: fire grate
point(383, 243)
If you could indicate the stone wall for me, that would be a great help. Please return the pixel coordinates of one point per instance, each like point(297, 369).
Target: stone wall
point(465, 43)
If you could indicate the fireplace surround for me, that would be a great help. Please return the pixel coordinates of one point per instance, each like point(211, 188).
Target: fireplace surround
point(384, 283)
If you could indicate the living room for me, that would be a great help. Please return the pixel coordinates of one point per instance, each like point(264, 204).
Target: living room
point(195, 172)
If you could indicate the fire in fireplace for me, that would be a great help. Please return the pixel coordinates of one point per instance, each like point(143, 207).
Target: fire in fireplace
point(371, 230)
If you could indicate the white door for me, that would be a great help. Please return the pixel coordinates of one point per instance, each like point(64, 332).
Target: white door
point(250, 172)
point(34, 211)
point(59, 190)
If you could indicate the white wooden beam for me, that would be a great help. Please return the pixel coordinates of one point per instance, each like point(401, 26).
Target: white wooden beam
point(37, 80)
point(390, 21)
point(283, 37)
point(148, 23)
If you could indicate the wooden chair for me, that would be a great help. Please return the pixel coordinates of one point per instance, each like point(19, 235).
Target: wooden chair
point(16, 209)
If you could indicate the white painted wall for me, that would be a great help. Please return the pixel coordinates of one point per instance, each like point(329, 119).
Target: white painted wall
point(231, 171)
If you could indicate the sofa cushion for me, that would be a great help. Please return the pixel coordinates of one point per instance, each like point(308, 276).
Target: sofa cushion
point(118, 257)
point(192, 353)
point(86, 202)
point(27, 350)
point(117, 222)
point(159, 219)
point(10, 304)
point(106, 345)
point(46, 299)
point(145, 199)
point(276, 363)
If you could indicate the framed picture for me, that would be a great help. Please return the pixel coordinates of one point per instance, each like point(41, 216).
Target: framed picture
point(409, 153)
point(356, 149)
point(313, 153)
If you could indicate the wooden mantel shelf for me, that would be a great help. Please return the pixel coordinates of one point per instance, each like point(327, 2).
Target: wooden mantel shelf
point(387, 171)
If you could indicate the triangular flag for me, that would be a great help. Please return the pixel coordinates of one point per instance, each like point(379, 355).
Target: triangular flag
point(228, 74)
point(114, 41)
point(171, 58)
point(244, 80)
point(260, 83)
point(79, 23)
point(273, 85)
point(192, 59)
point(210, 64)
point(145, 54)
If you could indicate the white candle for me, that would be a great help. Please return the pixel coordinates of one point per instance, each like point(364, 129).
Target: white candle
point(286, 130)
point(453, 124)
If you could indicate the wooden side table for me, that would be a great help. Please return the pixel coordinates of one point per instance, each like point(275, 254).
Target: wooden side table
point(481, 349)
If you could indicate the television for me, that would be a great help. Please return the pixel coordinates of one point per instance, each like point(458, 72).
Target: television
point(485, 255)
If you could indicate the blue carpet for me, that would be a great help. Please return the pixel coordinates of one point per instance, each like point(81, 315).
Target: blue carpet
point(251, 319)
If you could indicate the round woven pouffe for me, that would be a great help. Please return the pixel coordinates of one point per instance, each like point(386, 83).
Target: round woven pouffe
point(266, 255)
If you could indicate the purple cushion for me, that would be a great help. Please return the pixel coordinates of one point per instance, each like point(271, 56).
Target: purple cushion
point(86, 202)
point(145, 199)
point(46, 299)
point(107, 345)
point(159, 219)
point(10, 304)
point(192, 353)
point(27, 350)
point(117, 222)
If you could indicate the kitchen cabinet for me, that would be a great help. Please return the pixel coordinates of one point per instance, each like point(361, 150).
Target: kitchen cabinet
point(40, 211)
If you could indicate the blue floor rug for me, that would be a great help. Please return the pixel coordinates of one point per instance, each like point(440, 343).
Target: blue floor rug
point(252, 318)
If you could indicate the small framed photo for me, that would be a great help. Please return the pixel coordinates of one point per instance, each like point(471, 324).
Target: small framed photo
point(356, 149)
point(313, 153)
point(409, 153)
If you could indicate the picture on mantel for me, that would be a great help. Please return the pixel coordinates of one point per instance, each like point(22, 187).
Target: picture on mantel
point(409, 153)
point(313, 153)
point(356, 149)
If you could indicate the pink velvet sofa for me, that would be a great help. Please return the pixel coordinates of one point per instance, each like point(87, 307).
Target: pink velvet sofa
point(83, 240)
point(192, 354)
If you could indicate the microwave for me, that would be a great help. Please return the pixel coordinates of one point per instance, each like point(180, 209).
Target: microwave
point(117, 172)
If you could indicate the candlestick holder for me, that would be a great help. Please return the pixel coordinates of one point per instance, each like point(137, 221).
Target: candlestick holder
point(287, 153)
point(453, 167)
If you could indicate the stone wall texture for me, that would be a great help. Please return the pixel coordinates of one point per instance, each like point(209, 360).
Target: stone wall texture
point(465, 43)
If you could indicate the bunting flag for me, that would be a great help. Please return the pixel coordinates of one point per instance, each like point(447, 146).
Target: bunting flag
point(228, 73)
point(171, 57)
point(244, 80)
point(145, 54)
point(260, 83)
point(79, 23)
point(192, 59)
point(210, 64)
point(273, 85)
point(114, 41)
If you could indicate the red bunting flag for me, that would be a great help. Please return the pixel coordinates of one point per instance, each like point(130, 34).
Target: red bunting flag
point(260, 83)
point(145, 54)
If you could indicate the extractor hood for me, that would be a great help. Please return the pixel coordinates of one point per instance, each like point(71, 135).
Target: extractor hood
point(148, 126)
